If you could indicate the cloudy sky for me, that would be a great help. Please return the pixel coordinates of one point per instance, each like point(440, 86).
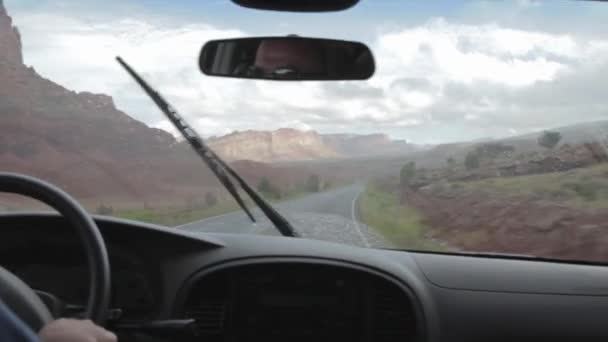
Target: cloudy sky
point(446, 71)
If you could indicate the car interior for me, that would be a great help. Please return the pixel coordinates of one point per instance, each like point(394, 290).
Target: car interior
point(149, 282)
point(223, 287)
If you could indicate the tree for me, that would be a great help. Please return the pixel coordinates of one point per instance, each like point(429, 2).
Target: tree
point(264, 186)
point(191, 202)
point(471, 161)
point(103, 210)
point(210, 199)
point(313, 184)
point(549, 139)
point(267, 189)
point(451, 165)
point(408, 171)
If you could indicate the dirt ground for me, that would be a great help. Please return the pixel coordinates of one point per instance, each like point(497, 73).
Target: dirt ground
point(480, 222)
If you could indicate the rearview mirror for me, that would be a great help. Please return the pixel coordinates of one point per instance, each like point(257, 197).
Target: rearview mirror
point(298, 5)
point(287, 58)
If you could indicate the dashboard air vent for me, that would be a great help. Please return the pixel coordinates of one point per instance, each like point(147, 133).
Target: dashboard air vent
point(209, 318)
point(393, 316)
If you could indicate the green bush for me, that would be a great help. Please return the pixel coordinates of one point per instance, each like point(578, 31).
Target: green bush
point(104, 210)
point(210, 199)
point(588, 191)
point(313, 184)
point(268, 189)
point(264, 185)
point(471, 161)
point(549, 139)
point(407, 173)
point(456, 186)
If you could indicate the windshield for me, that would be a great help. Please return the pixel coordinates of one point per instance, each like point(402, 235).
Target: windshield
point(483, 129)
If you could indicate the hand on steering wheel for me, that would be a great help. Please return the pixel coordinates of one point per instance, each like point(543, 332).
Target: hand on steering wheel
point(74, 330)
point(19, 297)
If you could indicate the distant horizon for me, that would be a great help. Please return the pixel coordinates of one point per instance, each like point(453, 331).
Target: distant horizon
point(408, 141)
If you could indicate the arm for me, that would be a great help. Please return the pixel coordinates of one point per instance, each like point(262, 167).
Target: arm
point(12, 329)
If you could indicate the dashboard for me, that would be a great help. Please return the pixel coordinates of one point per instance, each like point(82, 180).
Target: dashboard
point(270, 288)
point(133, 290)
point(298, 301)
point(53, 261)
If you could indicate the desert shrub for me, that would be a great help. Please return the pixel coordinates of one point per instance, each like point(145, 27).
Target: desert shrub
point(471, 161)
point(264, 185)
point(407, 173)
point(456, 186)
point(268, 189)
point(313, 183)
point(104, 210)
point(210, 199)
point(587, 191)
point(549, 139)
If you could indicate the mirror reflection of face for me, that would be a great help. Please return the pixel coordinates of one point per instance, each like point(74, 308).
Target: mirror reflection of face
point(298, 55)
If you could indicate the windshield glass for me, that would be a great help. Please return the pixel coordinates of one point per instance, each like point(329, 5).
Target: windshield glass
point(484, 128)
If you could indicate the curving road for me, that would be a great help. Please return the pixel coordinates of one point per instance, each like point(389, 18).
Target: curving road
point(330, 215)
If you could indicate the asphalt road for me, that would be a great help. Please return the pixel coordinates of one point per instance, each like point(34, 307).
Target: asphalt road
point(330, 216)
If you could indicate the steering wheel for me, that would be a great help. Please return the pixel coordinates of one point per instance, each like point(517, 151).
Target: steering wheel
point(19, 297)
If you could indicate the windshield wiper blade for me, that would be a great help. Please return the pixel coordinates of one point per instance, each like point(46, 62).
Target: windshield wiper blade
point(190, 135)
point(213, 161)
point(271, 213)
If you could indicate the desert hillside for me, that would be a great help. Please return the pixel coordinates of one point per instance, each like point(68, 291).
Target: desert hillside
point(543, 194)
point(82, 142)
point(287, 144)
point(85, 144)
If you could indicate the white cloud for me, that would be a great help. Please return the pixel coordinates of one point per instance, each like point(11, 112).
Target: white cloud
point(417, 99)
point(441, 51)
point(440, 72)
point(408, 122)
point(86, 47)
point(297, 124)
point(528, 3)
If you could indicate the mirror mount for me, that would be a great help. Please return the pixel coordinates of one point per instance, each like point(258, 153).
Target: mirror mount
point(290, 58)
point(298, 5)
